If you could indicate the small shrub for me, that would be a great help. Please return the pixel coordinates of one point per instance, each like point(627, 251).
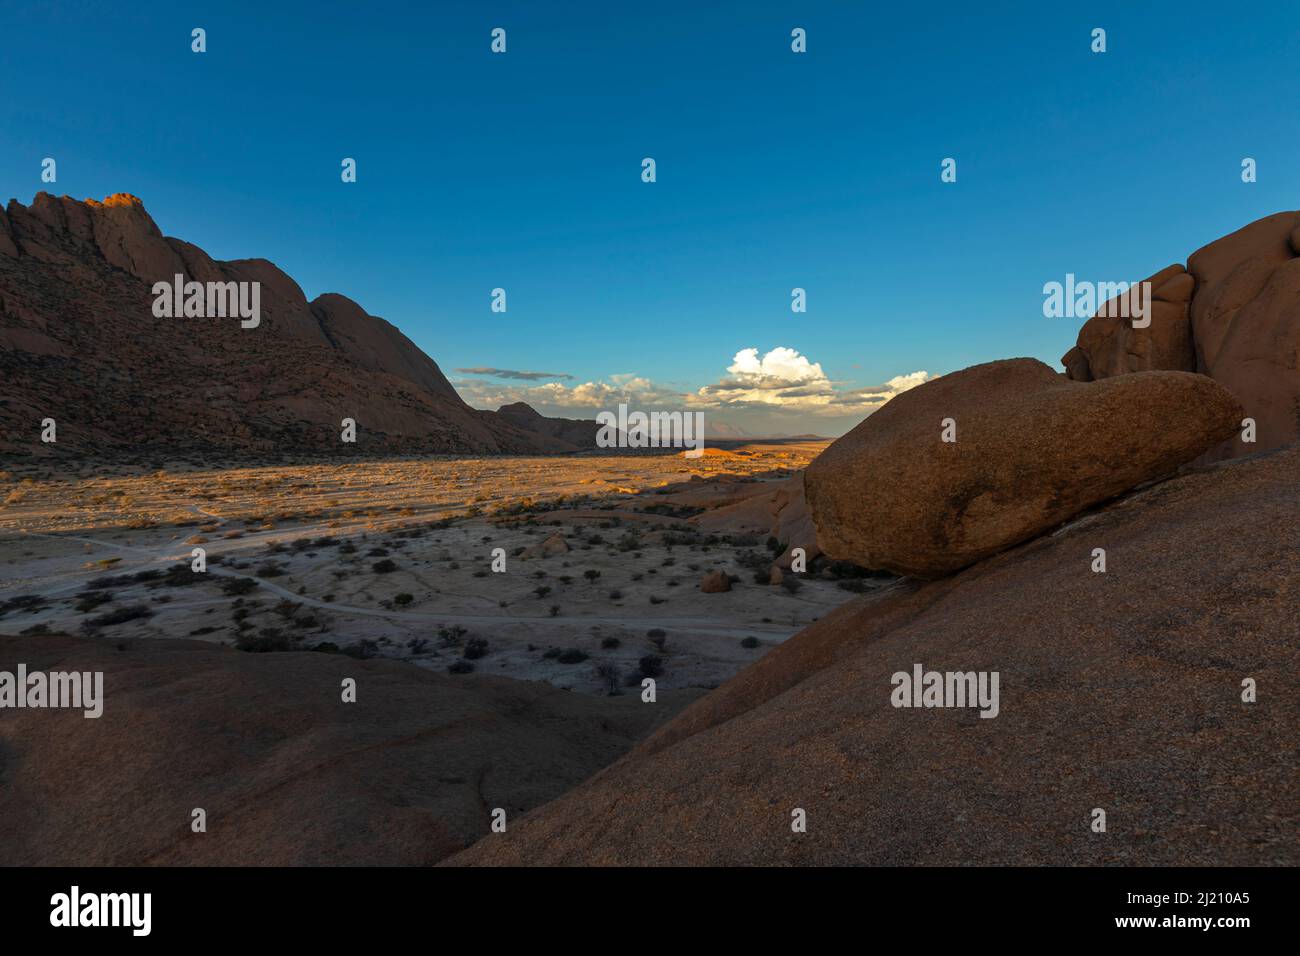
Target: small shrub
point(608, 674)
point(122, 615)
point(451, 636)
point(287, 609)
point(363, 650)
point(89, 601)
point(265, 641)
point(180, 575)
point(234, 586)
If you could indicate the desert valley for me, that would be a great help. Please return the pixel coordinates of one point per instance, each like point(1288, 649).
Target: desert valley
point(570, 570)
point(605, 647)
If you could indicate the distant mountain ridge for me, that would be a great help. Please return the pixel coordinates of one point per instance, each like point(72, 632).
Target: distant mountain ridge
point(79, 343)
point(579, 432)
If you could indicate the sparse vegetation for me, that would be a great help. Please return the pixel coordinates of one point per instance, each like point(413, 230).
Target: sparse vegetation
point(652, 665)
point(608, 674)
point(121, 615)
point(91, 600)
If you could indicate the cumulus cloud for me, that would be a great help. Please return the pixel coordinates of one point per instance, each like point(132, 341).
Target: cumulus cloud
point(783, 378)
point(781, 367)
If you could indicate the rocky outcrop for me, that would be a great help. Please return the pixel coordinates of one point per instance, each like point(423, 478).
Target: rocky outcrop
point(1110, 345)
point(7, 247)
point(1120, 690)
point(376, 344)
point(1233, 314)
point(79, 343)
point(580, 433)
point(549, 547)
point(715, 582)
point(777, 510)
point(1031, 450)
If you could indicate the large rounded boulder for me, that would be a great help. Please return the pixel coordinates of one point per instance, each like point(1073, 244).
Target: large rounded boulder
point(975, 462)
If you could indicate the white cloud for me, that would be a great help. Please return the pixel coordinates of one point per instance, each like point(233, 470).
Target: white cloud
point(781, 366)
point(780, 380)
point(783, 378)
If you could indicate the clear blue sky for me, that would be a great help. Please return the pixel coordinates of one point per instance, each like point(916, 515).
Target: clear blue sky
point(775, 170)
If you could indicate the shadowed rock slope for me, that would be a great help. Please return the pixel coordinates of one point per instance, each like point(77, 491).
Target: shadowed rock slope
point(79, 343)
point(287, 772)
point(1119, 690)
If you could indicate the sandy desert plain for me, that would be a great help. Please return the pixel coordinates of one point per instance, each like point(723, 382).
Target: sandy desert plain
point(393, 559)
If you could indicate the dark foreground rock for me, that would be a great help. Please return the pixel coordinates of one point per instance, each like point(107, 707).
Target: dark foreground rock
point(287, 773)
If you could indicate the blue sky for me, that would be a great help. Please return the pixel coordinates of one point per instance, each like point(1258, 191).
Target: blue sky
point(775, 170)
